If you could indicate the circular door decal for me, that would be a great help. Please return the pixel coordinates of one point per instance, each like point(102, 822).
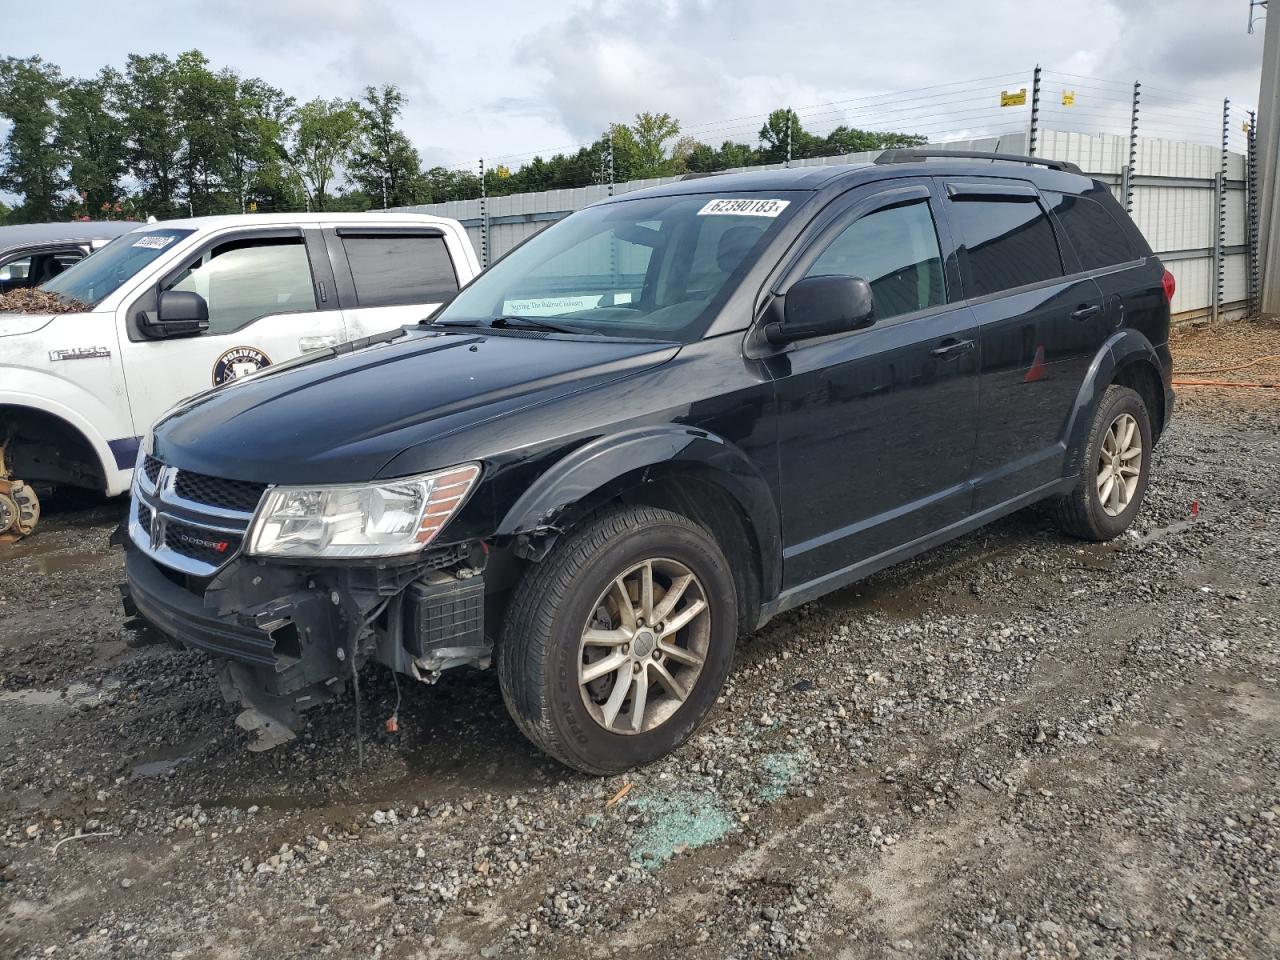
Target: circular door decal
point(238, 362)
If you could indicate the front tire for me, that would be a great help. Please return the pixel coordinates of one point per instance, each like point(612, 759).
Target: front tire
point(1113, 472)
point(617, 644)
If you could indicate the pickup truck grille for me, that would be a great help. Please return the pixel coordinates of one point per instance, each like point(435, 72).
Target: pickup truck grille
point(190, 522)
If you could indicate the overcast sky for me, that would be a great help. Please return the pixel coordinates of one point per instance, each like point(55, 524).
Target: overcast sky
point(500, 77)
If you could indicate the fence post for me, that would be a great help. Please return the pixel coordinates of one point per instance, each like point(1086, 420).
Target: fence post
point(1220, 241)
point(610, 159)
point(484, 219)
point(1034, 132)
point(1130, 170)
point(1251, 211)
point(788, 163)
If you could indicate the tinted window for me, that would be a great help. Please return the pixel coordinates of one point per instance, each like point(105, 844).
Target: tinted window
point(896, 251)
point(390, 270)
point(1006, 243)
point(1097, 237)
point(243, 280)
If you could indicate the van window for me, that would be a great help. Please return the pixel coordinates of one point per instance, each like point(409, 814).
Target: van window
point(1097, 237)
point(896, 251)
point(389, 269)
point(1005, 243)
point(245, 279)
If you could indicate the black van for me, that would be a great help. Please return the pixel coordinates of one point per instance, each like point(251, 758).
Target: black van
point(654, 426)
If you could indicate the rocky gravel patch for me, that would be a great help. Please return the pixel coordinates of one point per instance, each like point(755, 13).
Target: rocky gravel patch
point(1016, 745)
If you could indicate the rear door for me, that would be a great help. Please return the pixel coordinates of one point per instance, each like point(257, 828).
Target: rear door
point(268, 302)
point(876, 427)
point(1040, 322)
point(388, 276)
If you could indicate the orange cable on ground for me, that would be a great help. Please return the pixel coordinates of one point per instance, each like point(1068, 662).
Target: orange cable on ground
point(1223, 383)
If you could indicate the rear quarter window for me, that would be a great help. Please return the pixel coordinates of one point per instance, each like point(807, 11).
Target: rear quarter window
point(1098, 238)
point(392, 269)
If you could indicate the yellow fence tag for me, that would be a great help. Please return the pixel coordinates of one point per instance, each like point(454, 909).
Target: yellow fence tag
point(1016, 98)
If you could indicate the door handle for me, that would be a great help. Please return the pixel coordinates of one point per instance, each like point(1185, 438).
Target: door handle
point(306, 344)
point(950, 349)
point(1084, 313)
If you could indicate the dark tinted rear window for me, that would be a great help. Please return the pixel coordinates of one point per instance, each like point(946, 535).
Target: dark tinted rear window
point(1007, 243)
point(390, 269)
point(1098, 238)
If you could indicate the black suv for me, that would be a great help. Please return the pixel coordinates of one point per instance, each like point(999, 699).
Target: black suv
point(652, 427)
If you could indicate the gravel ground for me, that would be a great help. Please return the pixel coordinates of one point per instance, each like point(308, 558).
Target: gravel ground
point(1016, 745)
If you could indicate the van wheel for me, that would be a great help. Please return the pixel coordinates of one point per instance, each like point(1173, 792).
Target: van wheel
point(617, 644)
point(1113, 472)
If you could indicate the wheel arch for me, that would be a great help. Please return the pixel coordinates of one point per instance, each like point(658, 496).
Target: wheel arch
point(84, 458)
point(1127, 359)
point(683, 469)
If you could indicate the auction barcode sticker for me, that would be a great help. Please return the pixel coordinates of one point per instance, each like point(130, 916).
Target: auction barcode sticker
point(727, 207)
point(153, 241)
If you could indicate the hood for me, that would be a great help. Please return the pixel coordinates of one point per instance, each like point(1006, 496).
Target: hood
point(13, 324)
point(341, 419)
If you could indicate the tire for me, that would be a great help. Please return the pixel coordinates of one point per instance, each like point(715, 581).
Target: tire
point(558, 613)
point(1082, 512)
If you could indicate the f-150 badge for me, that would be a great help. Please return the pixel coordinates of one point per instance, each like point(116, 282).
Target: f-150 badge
point(238, 362)
point(79, 353)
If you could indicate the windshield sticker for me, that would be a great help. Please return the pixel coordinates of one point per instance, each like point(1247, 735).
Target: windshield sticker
point(154, 241)
point(238, 362)
point(550, 306)
point(726, 207)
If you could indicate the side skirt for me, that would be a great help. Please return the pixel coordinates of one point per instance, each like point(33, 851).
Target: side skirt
point(804, 592)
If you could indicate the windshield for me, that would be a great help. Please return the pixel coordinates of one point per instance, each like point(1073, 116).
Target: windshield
point(100, 274)
point(650, 268)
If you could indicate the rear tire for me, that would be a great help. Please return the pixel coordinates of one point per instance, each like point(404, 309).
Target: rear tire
point(1113, 471)
point(567, 617)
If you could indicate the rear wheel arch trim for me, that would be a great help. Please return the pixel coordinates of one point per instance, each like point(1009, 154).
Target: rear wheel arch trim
point(606, 462)
point(1123, 350)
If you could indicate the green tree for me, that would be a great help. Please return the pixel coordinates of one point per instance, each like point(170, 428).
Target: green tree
point(204, 108)
point(852, 140)
point(90, 140)
point(385, 165)
point(30, 163)
point(5, 210)
point(324, 135)
point(783, 137)
point(154, 140)
point(651, 132)
point(259, 176)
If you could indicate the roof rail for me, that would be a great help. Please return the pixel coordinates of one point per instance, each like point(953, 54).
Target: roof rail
point(924, 153)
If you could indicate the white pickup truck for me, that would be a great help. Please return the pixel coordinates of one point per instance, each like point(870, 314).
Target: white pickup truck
point(173, 308)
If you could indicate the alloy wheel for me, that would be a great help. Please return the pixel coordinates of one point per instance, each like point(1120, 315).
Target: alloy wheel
point(643, 646)
point(1119, 464)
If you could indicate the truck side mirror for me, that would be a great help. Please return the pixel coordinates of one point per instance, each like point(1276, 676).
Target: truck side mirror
point(820, 306)
point(181, 313)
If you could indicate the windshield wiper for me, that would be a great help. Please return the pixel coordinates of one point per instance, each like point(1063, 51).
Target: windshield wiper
point(529, 323)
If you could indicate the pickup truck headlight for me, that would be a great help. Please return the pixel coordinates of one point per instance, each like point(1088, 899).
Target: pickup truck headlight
point(367, 520)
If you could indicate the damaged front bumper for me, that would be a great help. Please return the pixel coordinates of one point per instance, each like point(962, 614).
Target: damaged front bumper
point(289, 638)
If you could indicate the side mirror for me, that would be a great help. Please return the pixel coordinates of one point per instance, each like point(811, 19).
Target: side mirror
point(820, 306)
point(181, 313)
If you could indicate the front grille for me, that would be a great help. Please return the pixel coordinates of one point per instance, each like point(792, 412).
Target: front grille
point(217, 492)
point(189, 522)
point(199, 544)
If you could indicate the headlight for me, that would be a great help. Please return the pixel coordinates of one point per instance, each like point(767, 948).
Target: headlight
point(369, 520)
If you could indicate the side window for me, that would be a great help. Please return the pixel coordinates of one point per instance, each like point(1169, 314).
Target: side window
point(245, 279)
point(1006, 243)
point(1098, 239)
point(15, 272)
point(389, 270)
point(895, 250)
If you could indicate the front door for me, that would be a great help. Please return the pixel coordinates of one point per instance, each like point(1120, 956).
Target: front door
point(877, 426)
point(265, 306)
point(1040, 322)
